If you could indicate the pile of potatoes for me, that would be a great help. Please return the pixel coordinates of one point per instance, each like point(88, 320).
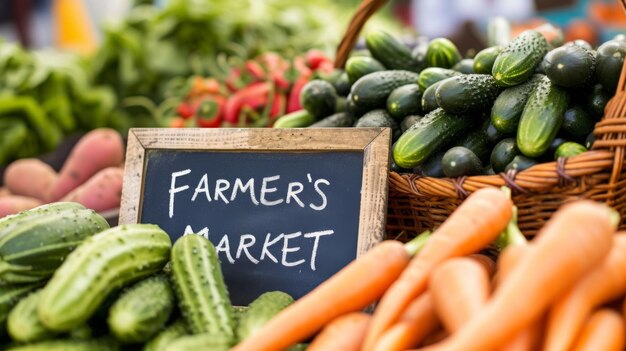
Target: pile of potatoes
point(92, 175)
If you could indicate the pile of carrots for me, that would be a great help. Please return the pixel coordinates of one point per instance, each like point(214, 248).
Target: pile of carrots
point(562, 290)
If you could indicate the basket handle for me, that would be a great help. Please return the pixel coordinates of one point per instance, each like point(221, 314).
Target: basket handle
point(365, 10)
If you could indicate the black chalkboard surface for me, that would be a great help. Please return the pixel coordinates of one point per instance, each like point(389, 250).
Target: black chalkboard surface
point(279, 219)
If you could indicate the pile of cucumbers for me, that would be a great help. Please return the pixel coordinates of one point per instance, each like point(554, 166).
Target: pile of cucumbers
point(508, 107)
point(69, 282)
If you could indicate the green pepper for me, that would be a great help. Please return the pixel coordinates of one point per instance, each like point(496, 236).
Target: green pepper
point(26, 107)
point(14, 133)
point(56, 102)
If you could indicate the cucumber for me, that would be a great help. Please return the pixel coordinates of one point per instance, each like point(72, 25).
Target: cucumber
point(520, 163)
point(206, 341)
point(494, 135)
point(359, 66)
point(390, 52)
point(519, 59)
point(549, 155)
point(337, 120)
point(620, 37)
point(596, 102)
point(503, 153)
point(342, 85)
point(162, 340)
point(580, 42)
point(102, 264)
point(319, 98)
point(352, 109)
point(372, 90)
point(10, 295)
point(609, 65)
point(260, 311)
point(393, 167)
point(379, 119)
point(408, 121)
point(509, 105)
point(419, 53)
point(429, 99)
point(102, 344)
point(142, 310)
point(34, 244)
point(467, 93)
point(577, 123)
point(200, 288)
point(24, 325)
point(478, 142)
point(432, 166)
point(541, 119)
point(484, 59)
point(589, 141)
point(442, 52)
point(465, 66)
point(432, 75)
point(569, 149)
point(427, 136)
point(295, 119)
point(341, 105)
point(460, 161)
point(405, 100)
point(570, 66)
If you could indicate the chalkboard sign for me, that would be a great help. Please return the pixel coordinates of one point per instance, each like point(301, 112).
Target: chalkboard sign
point(285, 209)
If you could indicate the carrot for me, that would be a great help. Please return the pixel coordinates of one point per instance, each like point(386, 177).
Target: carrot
point(460, 288)
point(487, 262)
point(97, 150)
point(30, 177)
point(604, 331)
point(345, 333)
point(417, 322)
point(605, 283)
point(574, 241)
point(353, 288)
point(476, 223)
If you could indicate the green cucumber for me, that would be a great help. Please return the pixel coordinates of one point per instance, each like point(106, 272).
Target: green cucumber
point(432, 166)
point(142, 310)
point(493, 134)
point(577, 123)
point(580, 42)
point(435, 130)
point(359, 66)
point(319, 98)
point(10, 295)
point(465, 66)
point(342, 85)
point(429, 97)
point(541, 119)
point(609, 65)
point(549, 155)
point(295, 119)
point(34, 244)
point(337, 120)
point(478, 142)
point(591, 138)
point(24, 325)
point(162, 340)
point(419, 53)
point(484, 59)
point(503, 153)
point(467, 93)
point(442, 52)
point(520, 163)
point(260, 311)
point(372, 90)
point(104, 263)
point(460, 161)
point(379, 119)
point(596, 102)
point(206, 341)
point(509, 105)
point(102, 344)
point(408, 121)
point(390, 52)
point(517, 62)
point(404, 101)
point(432, 75)
point(570, 66)
point(200, 288)
point(569, 149)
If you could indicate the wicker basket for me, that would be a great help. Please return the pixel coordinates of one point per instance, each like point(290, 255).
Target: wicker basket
point(418, 203)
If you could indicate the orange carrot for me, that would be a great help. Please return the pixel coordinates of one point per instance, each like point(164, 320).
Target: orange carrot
point(573, 242)
point(353, 288)
point(486, 261)
point(460, 288)
point(345, 333)
point(604, 331)
point(418, 321)
point(605, 283)
point(476, 223)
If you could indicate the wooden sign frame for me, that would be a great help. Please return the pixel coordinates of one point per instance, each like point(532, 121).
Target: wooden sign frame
point(373, 142)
